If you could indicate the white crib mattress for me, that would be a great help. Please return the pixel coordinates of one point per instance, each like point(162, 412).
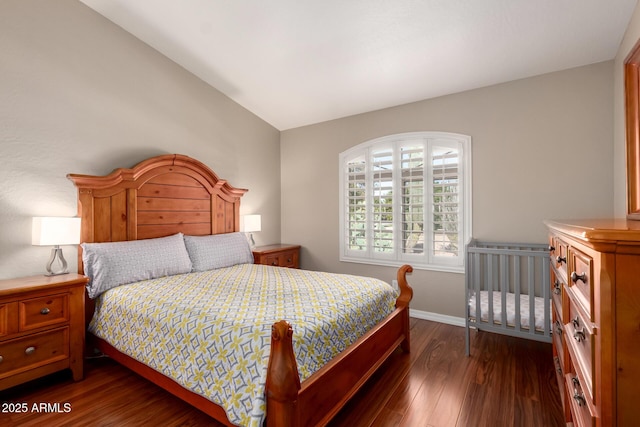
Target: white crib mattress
point(510, 308)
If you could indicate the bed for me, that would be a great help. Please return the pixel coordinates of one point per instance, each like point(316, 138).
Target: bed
point(171, 197)
point(507, 290)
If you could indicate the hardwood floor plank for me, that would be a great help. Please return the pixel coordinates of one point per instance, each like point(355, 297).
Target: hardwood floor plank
point(506, 382)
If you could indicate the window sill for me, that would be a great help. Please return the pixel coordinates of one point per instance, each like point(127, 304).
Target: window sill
point(416, 266)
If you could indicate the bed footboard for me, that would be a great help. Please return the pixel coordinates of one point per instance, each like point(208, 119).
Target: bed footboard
point(321, 396)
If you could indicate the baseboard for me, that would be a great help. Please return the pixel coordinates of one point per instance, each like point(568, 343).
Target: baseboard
point(435, 317)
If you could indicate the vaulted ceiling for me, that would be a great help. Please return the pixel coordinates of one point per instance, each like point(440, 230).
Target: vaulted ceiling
point(298, 62)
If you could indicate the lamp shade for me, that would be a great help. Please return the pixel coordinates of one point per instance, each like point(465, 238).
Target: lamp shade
point(55, 231)
point(250, 223)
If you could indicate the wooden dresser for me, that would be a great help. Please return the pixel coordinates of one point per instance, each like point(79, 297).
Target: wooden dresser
point(41, 327)
point(595, 279)
point(280, 255)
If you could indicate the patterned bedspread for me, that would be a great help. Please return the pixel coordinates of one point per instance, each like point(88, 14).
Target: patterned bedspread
point(211, 331)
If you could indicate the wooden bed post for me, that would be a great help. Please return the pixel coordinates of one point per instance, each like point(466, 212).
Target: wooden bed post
point(283, 381)
point(403, 300)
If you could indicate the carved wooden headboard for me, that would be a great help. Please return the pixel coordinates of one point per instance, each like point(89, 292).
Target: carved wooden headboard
point(158, 197)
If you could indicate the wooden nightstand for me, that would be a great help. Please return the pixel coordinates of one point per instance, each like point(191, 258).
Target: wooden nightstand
point(279, 255)
point(41, 327)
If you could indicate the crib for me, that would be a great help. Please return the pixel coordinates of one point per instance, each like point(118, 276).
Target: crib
point(507, 290)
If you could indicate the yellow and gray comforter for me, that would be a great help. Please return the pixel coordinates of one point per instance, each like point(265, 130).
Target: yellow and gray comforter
point(211, 331)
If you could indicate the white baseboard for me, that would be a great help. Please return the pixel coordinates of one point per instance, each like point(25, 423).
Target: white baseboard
point(435, 317)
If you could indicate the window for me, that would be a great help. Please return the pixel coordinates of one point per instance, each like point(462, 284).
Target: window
point(406, 198)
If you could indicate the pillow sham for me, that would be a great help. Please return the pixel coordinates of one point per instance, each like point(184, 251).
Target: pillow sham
point(218, 251)
point(113, 264)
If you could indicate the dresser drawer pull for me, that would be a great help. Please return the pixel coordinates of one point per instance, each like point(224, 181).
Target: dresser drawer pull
point(577, 396)
point(575, 277)
point(579, 335)
point(561, 259)
point(29, 350)
point(556, 287)
point(558, 328)
point(552, 248)
point(576, 322)
point(45, 310)
point(1, 359)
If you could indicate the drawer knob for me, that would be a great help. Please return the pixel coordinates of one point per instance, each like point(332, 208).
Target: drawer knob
point(561, 259)
point(45, 310)
point(556, 287)
point(1, 359)
point(29, 350)
point(575, 277)
point(552, 248)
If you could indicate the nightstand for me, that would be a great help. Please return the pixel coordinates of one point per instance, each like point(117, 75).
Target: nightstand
point(279, 255)
point(41, 327)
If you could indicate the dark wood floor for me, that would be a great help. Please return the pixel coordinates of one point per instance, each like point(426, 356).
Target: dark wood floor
point(506, 382)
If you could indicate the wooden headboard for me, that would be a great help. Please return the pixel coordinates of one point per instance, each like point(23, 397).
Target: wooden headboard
point(158, 197)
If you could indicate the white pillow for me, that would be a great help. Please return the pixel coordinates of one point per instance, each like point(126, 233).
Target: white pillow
point(218, 251)
point(113, 264)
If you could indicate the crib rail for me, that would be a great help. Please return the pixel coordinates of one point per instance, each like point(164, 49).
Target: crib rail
point(507, 273)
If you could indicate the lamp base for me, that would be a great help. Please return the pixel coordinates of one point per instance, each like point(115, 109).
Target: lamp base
point(58, 259)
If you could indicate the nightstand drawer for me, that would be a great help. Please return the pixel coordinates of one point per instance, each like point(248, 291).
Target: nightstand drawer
point(38, 312)
point(279, 255)
point(8, 318)
point(34, 350)
point(284, 259)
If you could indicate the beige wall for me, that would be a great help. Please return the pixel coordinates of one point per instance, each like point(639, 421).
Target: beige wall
point(631, 37)
point(80, 95)
point(531, 140)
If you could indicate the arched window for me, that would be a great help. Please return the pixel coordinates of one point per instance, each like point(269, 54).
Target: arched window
point(406, 198)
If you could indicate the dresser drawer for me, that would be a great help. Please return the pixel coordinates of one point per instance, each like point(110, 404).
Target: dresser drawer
point(580, 280)
point(581, 411)
point(557, 364)
point(32, 351)
point(45, 311)
point(558, 338)
point(557, 290)
point(581, 342)
point(558, 254)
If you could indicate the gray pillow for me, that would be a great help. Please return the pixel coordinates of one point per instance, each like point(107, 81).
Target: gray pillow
point(113, 264)
point(218, 251)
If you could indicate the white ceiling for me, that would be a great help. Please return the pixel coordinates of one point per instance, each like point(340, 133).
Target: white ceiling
point(297, 62)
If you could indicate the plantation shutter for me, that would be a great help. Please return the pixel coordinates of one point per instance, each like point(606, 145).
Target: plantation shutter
point(356, 205)
point(445, 190)
point(412, 159)
point(406, 199)
point(382, 201)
